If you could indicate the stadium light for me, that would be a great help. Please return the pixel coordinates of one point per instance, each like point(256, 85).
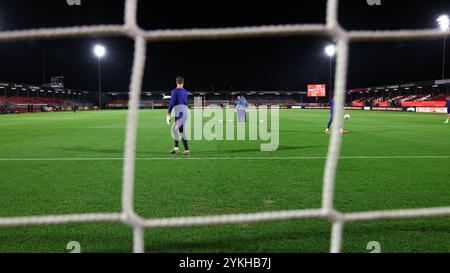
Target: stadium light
point(99, 52)
point(444, 22)
point(444, 25)
point(330, 50)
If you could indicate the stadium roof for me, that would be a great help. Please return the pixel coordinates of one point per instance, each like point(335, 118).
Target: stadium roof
point(33, 88)
point(406, 86)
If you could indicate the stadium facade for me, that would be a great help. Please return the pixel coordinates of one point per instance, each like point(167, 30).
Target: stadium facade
point(19, 98)
point(425, 96)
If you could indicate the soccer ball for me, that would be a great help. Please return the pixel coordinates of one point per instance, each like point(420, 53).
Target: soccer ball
point(347, 117)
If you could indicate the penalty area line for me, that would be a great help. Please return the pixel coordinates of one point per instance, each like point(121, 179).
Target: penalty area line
point(226, 158)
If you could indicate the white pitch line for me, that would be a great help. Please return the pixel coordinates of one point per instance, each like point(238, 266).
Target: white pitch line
point(224, 158)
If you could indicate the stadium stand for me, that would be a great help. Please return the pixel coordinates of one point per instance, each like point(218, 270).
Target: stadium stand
point(24, 98)
point(431, 93)
point(20, 98)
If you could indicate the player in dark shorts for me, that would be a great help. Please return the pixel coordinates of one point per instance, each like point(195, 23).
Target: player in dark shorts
point(178, 103)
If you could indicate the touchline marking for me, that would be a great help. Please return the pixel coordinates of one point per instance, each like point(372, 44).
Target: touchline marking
point(222, 158)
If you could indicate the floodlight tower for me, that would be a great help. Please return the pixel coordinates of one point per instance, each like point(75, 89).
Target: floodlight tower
point(99, 52)
point(444, 25)
point(330, 50)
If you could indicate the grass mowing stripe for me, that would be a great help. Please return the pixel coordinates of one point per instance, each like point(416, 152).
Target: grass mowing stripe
point(225, 158)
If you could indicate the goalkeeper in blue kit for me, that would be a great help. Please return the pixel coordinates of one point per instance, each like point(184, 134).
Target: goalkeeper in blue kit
point(178, 104)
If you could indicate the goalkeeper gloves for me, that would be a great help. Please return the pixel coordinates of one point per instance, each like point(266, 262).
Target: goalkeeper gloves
point(168, 119)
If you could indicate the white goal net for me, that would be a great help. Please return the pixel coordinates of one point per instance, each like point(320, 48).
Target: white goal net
point(131, 29)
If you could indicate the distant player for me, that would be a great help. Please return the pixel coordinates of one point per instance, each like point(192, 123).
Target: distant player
point(236, 102)
point(178, 102)
point(448, 109)
point(241, 108)
point(327, 130)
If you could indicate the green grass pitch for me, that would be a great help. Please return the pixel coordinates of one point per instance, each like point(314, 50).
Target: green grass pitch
point(186, 187)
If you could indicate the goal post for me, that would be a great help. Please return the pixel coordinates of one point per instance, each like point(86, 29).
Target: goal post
point(147, 105)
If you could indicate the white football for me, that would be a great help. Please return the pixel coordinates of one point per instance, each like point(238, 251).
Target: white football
point(347, 117)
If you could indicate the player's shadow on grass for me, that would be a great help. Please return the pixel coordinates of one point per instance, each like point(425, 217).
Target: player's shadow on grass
point(281, 148)
point(94, 150)
point(296, 148)
point(257, 150)
point(302, 131)
point(382, 130)
point(119, 152)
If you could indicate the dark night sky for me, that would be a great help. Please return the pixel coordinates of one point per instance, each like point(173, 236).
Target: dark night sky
point(261, 64)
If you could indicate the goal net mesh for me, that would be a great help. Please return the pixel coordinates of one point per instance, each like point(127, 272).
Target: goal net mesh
point(141, 37)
